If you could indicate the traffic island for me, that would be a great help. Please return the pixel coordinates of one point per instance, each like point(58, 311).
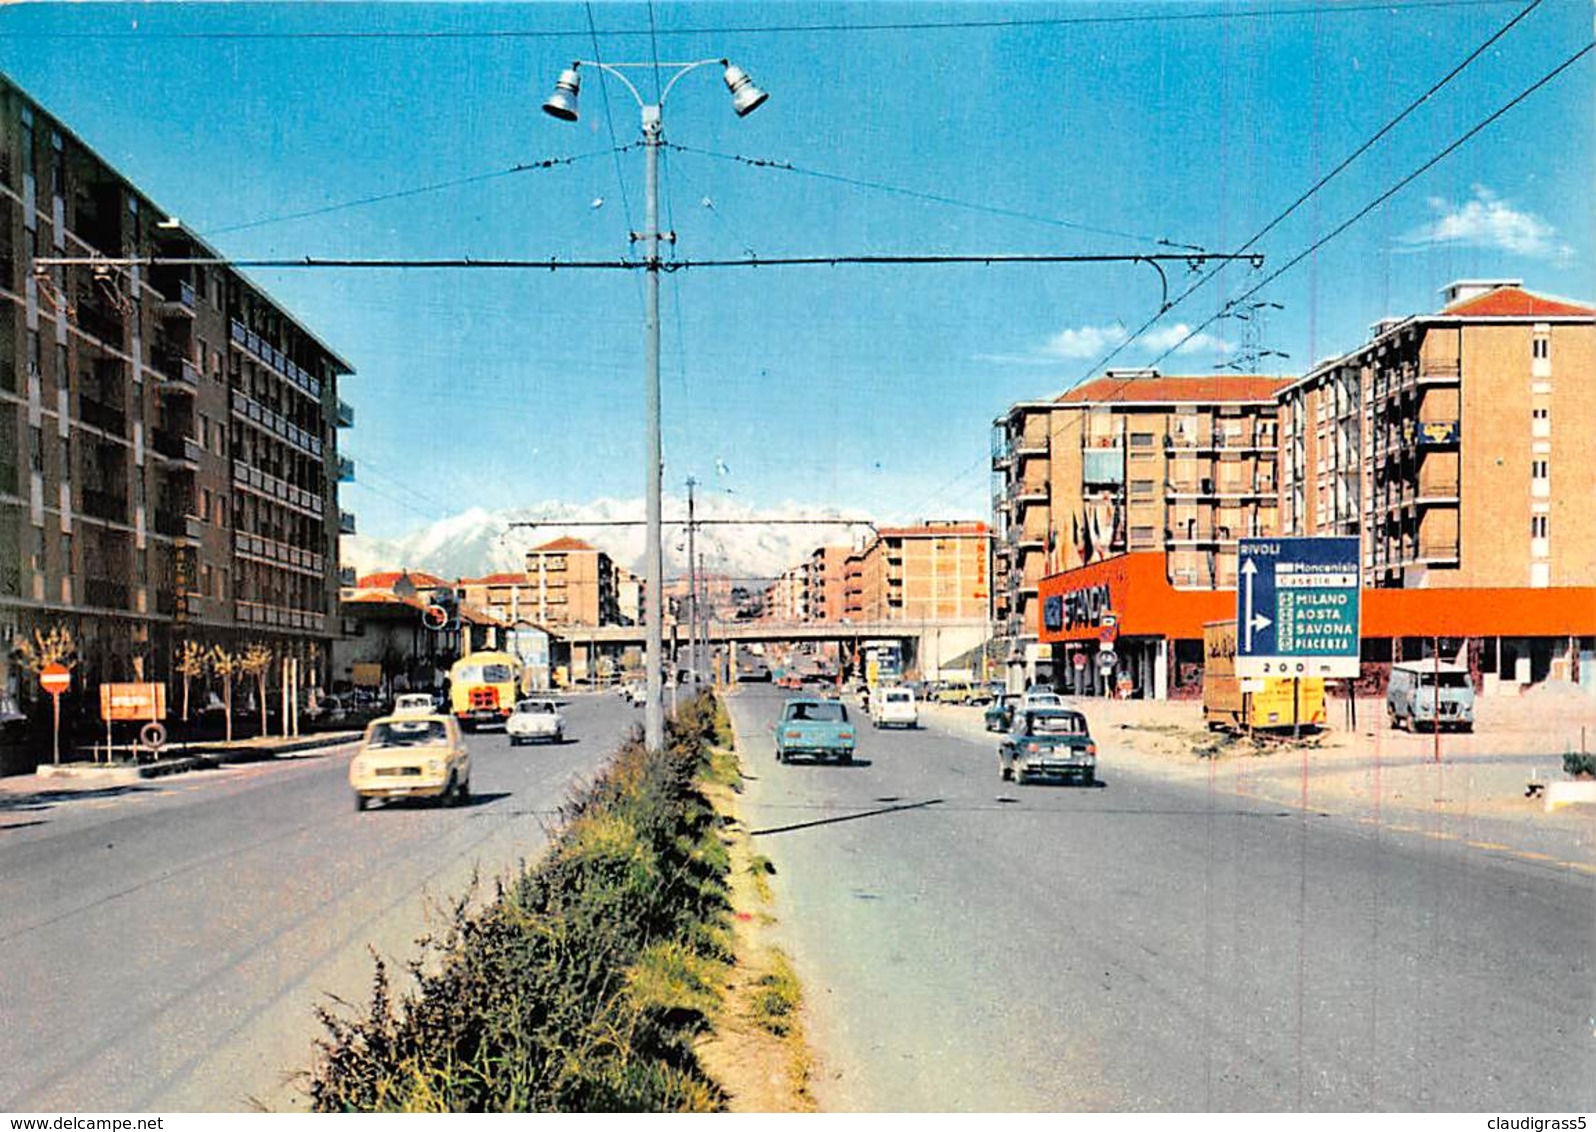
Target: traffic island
point(584, 983)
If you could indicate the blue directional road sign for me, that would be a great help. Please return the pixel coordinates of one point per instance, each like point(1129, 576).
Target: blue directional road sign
point(1297, 607)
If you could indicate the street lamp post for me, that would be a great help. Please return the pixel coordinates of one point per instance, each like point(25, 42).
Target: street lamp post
point(562, 104)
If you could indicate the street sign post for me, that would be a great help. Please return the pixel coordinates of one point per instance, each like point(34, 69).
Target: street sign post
point(1298, 608)
point(55, 679)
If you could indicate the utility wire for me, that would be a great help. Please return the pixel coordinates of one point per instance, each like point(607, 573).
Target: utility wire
point(1255, 12)
point(437, 186)
point(935, 198)
point(609, 122)
point(470, 263)
point(1434, 89)
point(1383, 197)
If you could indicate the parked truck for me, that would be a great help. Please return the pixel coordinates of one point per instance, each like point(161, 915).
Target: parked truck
point(1264, 703)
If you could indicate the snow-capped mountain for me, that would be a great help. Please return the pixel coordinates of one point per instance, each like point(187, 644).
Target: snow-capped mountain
point(477, 542)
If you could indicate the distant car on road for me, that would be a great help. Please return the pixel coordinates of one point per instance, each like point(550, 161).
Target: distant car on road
point(414, 703)
point(411, 756)
point(818, 728)
point(1000, 713)
point(535, 721)
point(1048, 742)
point(894, 707)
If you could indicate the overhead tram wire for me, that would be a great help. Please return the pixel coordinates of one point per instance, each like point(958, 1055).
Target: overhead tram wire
point(1385, 196)
point(419, 190)
point(934, 198)
point(469, 263)
point(609, 122)
point(1434, 89)
point(1256, 12)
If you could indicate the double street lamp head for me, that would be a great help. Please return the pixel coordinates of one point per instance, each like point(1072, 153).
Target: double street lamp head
point(562, 104)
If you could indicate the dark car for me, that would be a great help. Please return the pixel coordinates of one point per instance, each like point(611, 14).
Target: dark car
point(1048, 742)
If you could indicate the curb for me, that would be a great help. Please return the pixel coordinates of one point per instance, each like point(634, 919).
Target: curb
point(198, 757)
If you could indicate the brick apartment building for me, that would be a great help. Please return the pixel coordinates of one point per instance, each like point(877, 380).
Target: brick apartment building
point(1454, 445)
point(1134, 461)
point(572, 583)
point(168, 435)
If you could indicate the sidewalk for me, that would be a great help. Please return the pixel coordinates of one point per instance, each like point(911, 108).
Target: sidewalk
point(74, 777)
point(1476, 793)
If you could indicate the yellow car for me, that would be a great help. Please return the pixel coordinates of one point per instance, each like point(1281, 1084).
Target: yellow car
point(411, 756)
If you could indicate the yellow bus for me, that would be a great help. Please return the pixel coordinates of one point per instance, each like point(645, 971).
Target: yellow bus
point(1264, 704)
point(483, 688)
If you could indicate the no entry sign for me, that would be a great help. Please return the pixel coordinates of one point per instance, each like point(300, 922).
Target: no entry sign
point(55, 678)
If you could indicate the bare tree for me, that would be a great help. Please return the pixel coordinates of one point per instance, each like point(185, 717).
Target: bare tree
point(191, 662)
point(256, 661)
point(46, 648)
point(226, 665)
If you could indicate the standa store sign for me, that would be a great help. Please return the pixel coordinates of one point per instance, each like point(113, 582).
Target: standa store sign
point(1082, 608)
point(1086, 606)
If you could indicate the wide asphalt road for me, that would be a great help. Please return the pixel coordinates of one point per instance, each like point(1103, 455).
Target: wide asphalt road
point(969, 944)
point(166, 945)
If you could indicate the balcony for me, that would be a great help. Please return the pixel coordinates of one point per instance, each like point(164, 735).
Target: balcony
point(182, 451)
point(346, 470)
point(1030, 492)
point(346, 522)
point(105, 593)
point(178, 302)
point(178, 374)
point(107, 418)
point(1438, 551)
point(347, 577)
point(173, 525)
point(279, 617)
point(104, 505)
point(346, 414)
point(1440, 371)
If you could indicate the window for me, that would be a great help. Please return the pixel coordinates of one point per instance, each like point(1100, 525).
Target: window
point(1538, 526)
point(205, 503)
point(1540, 422)
point(1141, 440)
point(1538, 469)
point(1541, 348)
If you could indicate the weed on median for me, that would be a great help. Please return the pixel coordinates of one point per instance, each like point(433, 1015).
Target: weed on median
point(584, 983)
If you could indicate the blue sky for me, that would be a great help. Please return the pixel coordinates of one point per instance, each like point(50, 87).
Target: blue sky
point(912, 128)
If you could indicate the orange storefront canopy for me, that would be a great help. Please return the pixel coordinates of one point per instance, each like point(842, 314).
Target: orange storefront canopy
point(1135, 589)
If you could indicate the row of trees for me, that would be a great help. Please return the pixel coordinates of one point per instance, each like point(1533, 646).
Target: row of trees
point(192, 661)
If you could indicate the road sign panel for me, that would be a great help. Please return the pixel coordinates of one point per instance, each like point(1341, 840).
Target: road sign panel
point(1297, 607)
point(55, 678)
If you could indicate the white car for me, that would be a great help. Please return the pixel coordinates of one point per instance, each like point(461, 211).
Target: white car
point(535, 721)
point(894, 707)
point(414, 703)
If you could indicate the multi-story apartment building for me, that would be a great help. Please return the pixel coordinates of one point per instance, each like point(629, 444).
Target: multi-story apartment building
point(572, 583)
point(1132, 461)
point(787, 599)
point(168, 434)
point(1453, 445)
point(1457, 444)
point(937, 571)
point(507, 596)
point(827, 570)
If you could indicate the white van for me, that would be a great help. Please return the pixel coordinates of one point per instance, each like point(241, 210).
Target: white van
point(1411, 696)
point(894, 707)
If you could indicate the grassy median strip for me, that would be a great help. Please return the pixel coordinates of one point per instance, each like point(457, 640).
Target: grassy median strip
point(585, 983)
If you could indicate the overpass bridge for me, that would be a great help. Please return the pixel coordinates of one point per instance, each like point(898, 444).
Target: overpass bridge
point(931, 644)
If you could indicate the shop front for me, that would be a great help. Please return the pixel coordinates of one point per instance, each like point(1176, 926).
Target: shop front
point(1119, 628)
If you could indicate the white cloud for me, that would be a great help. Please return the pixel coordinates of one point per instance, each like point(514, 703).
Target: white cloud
point(1085, 342)
point(1488, 221)
point(1170, 337)
point(1092, 342)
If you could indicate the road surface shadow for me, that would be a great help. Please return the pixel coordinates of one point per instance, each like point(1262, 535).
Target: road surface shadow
point(47, 799)
point(846, 817)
